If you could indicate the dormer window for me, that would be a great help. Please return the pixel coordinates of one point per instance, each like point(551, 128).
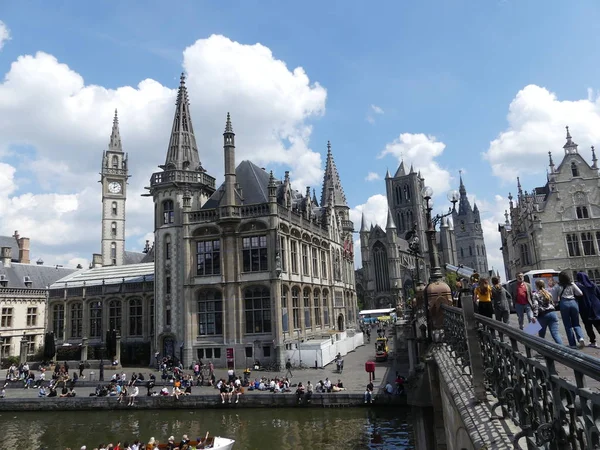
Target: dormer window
point(27, 281)
point(582, 212)
point(3, 280)
point(574, 169)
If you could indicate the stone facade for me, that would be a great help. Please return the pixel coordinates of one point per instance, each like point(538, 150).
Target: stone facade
point(248, 269)
point(556, 226)
point(23, 296)
point(470, 245)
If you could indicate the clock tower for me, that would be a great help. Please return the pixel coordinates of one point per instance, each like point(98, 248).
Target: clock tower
point(114, 192)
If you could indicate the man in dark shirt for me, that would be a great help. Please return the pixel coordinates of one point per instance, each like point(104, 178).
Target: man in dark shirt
point(369, 393)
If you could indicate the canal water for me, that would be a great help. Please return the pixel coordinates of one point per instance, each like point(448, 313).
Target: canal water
point(261, 429)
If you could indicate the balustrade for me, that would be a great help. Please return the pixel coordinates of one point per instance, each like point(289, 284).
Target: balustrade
point(522, 373)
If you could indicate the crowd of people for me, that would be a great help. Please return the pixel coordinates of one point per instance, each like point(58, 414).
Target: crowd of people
point(152, 444)
point(577, 301)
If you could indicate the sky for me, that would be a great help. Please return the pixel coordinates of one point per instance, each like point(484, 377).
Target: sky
point(483, 87)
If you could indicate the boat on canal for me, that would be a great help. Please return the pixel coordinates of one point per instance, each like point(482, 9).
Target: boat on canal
point(212, 443)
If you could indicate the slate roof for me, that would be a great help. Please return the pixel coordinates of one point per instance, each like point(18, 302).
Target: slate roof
point(41, 276)
point(11, 241)
point(133, 257)
point(253, 182)
point(107, 275)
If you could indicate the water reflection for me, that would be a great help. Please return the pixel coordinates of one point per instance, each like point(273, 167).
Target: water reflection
point(286, 429)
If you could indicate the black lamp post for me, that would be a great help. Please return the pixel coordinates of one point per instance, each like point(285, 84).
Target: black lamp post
point(437, 291)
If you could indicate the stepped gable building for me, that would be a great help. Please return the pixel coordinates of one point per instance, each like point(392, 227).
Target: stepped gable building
point(389, 269)
point(249, 268)
point(23, 295)
point(117, 292)
point(556, 226)
point(468, 232)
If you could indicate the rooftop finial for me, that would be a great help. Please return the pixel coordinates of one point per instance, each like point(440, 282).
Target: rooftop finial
point(182, 79)
point(568, 134)
point(594, 159)
point(328, 147)
point(228, 127)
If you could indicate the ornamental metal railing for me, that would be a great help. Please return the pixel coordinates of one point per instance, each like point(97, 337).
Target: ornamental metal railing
point(521, 372)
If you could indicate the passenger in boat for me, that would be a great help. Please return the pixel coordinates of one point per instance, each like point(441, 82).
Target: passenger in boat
point(184, 441)
point(171, 443)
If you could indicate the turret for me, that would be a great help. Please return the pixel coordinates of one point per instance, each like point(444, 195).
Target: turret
point(229, 153)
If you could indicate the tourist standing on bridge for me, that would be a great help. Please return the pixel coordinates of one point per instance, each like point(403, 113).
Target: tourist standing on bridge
point(500, 298)
point(545, 312)
point(565, 292)
point(483, 292)
point(521, 295)
point(589, 306)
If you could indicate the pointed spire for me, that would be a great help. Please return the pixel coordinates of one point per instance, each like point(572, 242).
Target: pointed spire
point(183, 151)
point(519, 188)
point(400, 172)
point(314, 198)
point(228, 127)
point(464, 206)
point(115, 137)
point(387, 174)
point(551, 162)
point(412, 170)
point(332, 191)
point(390, 221)
point(594, 159)
point(363, 223)
point(570, 146)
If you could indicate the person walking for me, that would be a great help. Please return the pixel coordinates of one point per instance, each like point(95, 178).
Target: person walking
point(545, 312)
point(564, 294)
point(500, 298)
point(520, 291)
point(288, 369)
point(483, 292)
point(589, 306)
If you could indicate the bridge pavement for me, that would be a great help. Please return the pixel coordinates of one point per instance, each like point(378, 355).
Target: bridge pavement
point(353, 376)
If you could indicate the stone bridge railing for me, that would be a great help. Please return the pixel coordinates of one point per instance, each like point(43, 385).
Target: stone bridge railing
point(522, 372)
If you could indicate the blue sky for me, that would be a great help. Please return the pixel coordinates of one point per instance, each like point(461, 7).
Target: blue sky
point(446, 69)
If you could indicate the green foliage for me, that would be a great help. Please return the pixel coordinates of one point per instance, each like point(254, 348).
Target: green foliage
point(451, 280)
point(7, 362)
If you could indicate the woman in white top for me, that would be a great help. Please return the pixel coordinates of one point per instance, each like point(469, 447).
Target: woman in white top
point(563, 295)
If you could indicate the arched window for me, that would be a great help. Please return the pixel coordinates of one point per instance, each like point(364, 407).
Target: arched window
point(284, 309)
point(407, 192)
point(114, 315)
point(168, 211)
point(135, 317)
point(95, 319)
point(582, 212)
point(168, 246)
point(113, 228)
point(114, 208)
point(76, 320)
point(210, 313)
point(325, 308)
point(115, 162)
point(307, 322)
point(380, 259)
point(296, 307)
point(58, 320)
point(257, 302)
point(574, 169)
point(317, 306)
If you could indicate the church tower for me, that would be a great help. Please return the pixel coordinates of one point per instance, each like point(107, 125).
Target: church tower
point(113, 177)
point(180, 187)
point(469, 234)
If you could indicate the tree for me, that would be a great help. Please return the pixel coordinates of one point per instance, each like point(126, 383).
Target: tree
point(451, 280)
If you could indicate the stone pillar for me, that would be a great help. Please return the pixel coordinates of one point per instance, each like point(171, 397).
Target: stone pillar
point(118, 349)
point(473, 345)
point(23, 351)
point(84, 349)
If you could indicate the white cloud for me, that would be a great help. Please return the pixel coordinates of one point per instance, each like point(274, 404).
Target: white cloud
point(372, 176)
point(536, 125)
point(66, 133)
point(4, 34)
point(420, 151)
point(373, 111)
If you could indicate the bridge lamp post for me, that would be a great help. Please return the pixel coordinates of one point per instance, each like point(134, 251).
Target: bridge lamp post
point(437, 292)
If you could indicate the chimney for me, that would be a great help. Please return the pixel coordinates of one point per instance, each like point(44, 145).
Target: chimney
point(23, 249)
point(6, 256)
point(16, 235)
point(96, 260)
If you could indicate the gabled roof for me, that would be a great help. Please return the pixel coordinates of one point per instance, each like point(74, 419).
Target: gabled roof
point(107, 275)
point(252, 181)
point(11, 241)
point(40, 276)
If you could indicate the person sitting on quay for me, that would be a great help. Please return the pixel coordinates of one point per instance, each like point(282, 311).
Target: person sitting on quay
point(327, 385)
point(309, 391)
point(133, 395)
point(42, 392)
point(300, 392)
point(164, 392)
point(52, 392)
point(239, 390)
point(223, 391)
point(122, 394)
point(338, 387)
point(369, 393)
point(176, 392)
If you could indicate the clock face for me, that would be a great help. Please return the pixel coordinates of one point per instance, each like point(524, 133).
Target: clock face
point(114, 187)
